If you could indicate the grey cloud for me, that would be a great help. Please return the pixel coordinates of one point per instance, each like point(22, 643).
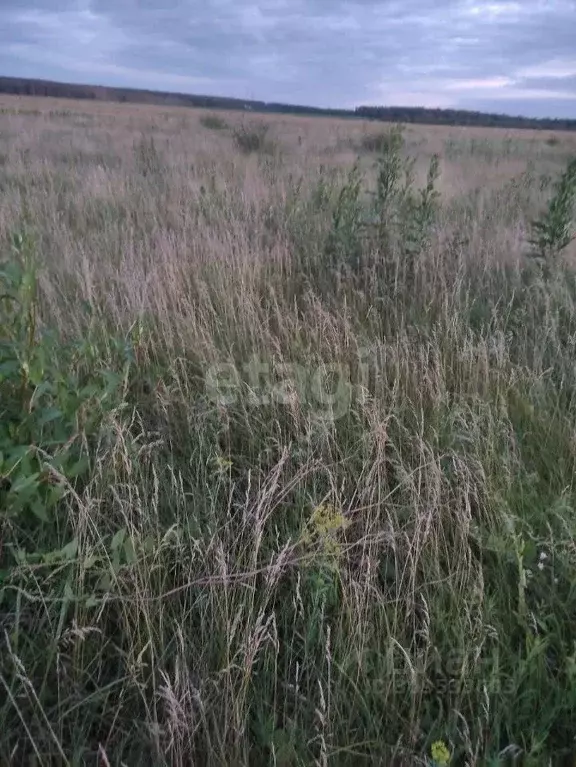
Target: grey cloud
point(55, 6)
point(551, 84)
point(327, 52)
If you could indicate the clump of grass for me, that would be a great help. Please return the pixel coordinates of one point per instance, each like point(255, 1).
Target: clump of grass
point(376, 142)
point(253, 138)
point(147, 157)
point(213, 122)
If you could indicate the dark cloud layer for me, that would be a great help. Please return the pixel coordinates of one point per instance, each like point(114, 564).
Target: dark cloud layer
point(507, 56)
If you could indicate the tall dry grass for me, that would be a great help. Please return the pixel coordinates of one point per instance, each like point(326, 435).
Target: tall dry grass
point(331, 517)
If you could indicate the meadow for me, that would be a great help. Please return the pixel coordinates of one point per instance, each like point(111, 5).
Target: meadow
point(287, 440)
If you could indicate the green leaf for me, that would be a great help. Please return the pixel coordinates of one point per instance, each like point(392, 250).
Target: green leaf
point(70, 551)
point(51, 557)
point(55, 493)
point(39, 510)
point(59, 461)
point(22, 483)
point(68, 591)
point(89, 391)
point(90, 561)
point(113, 381)
point(129, 552)
point(118, 539)
point(43, 388)
point(48, 415)
point(9, 369)
point(15, 455)
point(149, 544)
point(20, 556)
point(105, 583)
point(78, 467)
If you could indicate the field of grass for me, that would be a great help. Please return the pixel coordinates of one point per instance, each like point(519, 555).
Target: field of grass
point(287, 442)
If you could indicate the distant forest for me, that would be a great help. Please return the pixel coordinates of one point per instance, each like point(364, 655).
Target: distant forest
point(27, 87)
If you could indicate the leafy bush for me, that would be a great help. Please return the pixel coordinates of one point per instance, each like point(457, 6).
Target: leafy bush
point(378, 142)
point(253, 138)
point(555, 229)
point(399, 218)
point(421, 209)
point(344, 241)
point(394, 180)
point(213, 122)
point(147, 158)
point(52, 403)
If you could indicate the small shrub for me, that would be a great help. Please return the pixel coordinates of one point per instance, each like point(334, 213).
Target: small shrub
point(213, 122)
point(147, 157)
point(394, 180)
point(379, 142)
point(253, 138)
point(344, 242)
point(402, 216)
point(554, 230)
point(52, 405)
point(399, 218)
point(421, 209)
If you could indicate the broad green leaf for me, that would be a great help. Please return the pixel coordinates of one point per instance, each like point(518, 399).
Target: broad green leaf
point(105, 583)
point(118, 539)
point(70, 550)
point(14, 455)
point(90, 561)
point(48, 415)
point(129, 552)
point(23, 482)
point(39, 510)
point(9, 369)
point(68, 591)
point(78, 467)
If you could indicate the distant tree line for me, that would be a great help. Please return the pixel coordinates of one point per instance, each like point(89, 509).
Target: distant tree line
point(29, 87)
point(462, 117)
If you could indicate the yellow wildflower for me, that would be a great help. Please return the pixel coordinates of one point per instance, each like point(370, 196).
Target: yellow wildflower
point(440, 753)
point(222, 465)
point(323, 527)
point(326, 519)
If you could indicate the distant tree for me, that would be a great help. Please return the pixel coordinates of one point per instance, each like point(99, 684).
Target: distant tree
point(394, 114)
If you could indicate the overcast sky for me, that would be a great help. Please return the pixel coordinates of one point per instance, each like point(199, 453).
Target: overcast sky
point(513, 57)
